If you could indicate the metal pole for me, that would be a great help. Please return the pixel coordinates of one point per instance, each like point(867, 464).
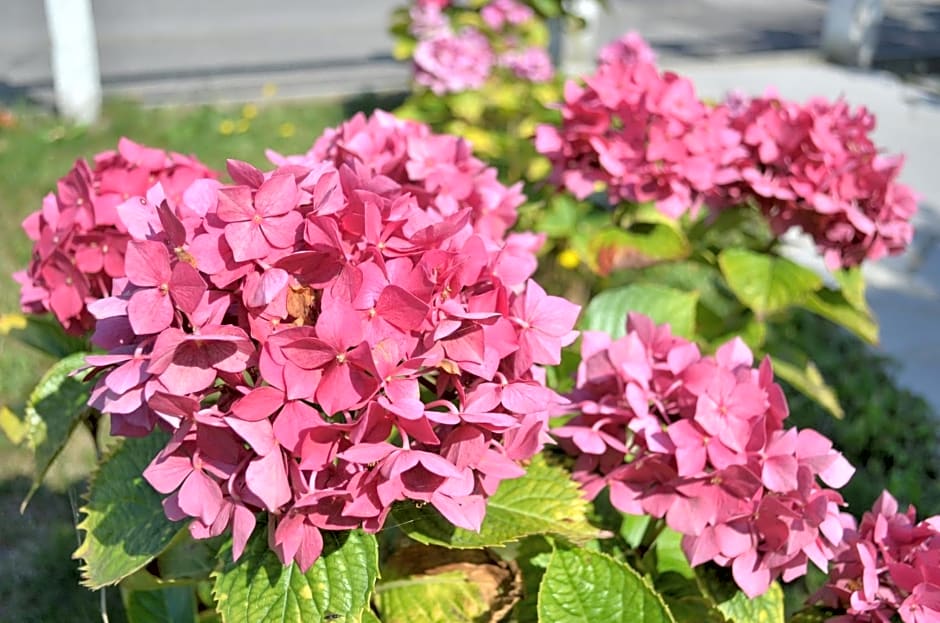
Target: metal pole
point(75, 73)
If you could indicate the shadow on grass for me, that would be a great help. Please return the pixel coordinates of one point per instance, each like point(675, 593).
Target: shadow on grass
point(40, 580)
point(367, 102)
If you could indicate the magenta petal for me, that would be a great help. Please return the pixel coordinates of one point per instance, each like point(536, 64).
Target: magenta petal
point(310, 548)
point(147, 263)
point(258, 434)
point(149, 311)
point(281, 231)
point(165, 474)
point(753, 579)
point(463, 511)
point(244, 173)
point(401, 309)
point(180, 379)
point(246, 241)
point(293, 421)
point(260, 403)
point(186, 287)
point(266, 477)
point(276, 196)
point(200, 497)
point(235, 204)
point(243, 524)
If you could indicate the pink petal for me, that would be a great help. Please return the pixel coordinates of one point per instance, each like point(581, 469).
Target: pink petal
point(147, 263)
point(149, 311)
point(200, 497)
point(276, 196)
point(266, 477)
point(186, 287)
point(246, 241)
point(259, 404)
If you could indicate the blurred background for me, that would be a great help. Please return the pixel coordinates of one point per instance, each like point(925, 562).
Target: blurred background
point(229, 78)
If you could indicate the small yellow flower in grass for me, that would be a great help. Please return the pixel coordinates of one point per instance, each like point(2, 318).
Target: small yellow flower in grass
point(269, 90)
point(286, 130)
point(242, 126)
point(11, 322)
point(226, 127)
point(249, 111)
point(569, 259)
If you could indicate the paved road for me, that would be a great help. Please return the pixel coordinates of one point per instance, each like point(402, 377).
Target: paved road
point(180, 50)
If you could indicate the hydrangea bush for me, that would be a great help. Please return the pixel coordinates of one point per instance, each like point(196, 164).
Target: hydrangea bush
point(343, 393)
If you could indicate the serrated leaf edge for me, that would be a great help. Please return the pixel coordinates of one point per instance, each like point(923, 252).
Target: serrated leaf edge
point(646, 583)
point(82, 550)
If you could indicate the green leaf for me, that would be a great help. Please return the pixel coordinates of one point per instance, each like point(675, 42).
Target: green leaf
point(124, 523)
point(767, 608)
point(44, 333)
point(174, 604)
point(429, 584)
point(438, 598)
point(608, 310)
point(809, 382)
point(337, 588)
point(53, 410)
point(581, 586)
point(833, 305)
point(543, 501)
point(188, 558)
point(633, 528)
point(852, 284)
point(669, 554)
point(766, 283)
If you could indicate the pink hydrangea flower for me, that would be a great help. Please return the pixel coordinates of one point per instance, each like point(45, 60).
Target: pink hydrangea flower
point(630, 48)
point(533, 64)
point(888, 567)
point(499, 13)
point(450, 62)
point(439, 170)
point(347, 331)
point(641, 134)
point(707, 452)
point(815, 167)
point(80, 238)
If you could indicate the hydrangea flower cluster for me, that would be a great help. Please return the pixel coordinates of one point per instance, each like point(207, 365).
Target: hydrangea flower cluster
point(324, 340)
point(645, 136)
point(640, 133)
point(451, 61)
point(814, 166)
point(79, 235)
point(889, 566)
point(439, 170)
point(699, 440)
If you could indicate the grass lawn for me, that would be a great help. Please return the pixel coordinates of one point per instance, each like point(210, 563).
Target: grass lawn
point(40, 582)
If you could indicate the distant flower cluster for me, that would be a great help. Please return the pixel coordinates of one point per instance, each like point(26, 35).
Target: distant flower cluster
point(79, 233)
point(699, 440)
point(643, 135)
point(324, 339)
point(814, 166)
point(449, 60)
point(889, 566)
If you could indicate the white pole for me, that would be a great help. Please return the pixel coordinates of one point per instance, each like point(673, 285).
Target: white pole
point(75, 73)
point(580, 46)
point(850, 31)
